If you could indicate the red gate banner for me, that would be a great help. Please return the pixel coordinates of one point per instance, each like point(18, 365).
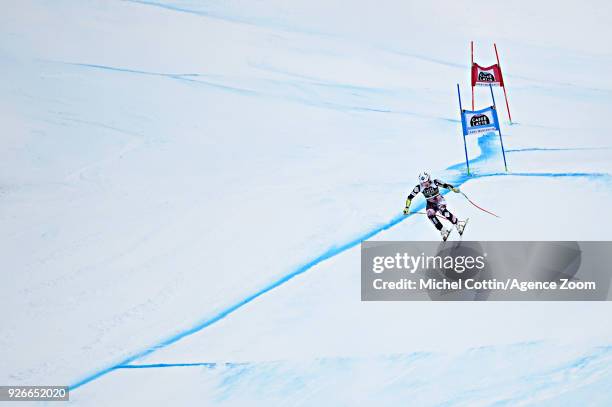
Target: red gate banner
point(485, 76)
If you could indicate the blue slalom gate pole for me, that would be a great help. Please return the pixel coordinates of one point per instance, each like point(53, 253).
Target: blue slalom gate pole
point(498, 128)
point(467, 160)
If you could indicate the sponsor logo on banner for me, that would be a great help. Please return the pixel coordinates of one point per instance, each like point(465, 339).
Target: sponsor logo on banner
point(486, 77)
point(479, 120)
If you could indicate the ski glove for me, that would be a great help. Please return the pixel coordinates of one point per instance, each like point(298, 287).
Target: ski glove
point(455, 190)
point(407, 208)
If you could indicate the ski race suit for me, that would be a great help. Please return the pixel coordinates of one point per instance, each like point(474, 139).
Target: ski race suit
point(435, 201)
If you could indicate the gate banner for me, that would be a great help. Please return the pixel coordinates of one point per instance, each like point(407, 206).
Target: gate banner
point(485, 76)
point(479, 121)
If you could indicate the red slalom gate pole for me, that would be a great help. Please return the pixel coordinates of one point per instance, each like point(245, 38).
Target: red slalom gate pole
point(472, 67)
point(505, 94)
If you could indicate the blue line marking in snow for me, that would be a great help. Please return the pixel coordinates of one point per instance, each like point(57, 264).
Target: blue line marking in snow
point(487, 147)
point(546, 174)
point(128, 70)
point(334, 250)
point(195, 78)
point(187, 77)
point(158, 365)
point(210, 365)
point(533, 149)
point(257, 22)
point(175, 8)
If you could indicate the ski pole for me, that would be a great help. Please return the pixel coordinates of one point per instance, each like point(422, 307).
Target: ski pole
point(482, 209)
point(425, 213)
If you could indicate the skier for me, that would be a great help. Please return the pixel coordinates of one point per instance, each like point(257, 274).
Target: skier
point(435, 203)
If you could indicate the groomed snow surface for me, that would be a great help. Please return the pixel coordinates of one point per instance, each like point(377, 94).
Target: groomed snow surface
point(184, 186)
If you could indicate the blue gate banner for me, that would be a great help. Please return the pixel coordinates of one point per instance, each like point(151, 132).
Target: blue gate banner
point(479, 121)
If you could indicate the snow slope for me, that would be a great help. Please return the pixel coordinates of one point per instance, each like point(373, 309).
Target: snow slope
point(168, 167)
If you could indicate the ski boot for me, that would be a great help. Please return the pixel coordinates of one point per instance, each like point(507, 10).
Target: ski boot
point(460, 225)
point(445, 232)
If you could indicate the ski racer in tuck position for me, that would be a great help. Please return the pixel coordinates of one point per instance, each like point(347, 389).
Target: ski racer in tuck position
point(435, 203)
